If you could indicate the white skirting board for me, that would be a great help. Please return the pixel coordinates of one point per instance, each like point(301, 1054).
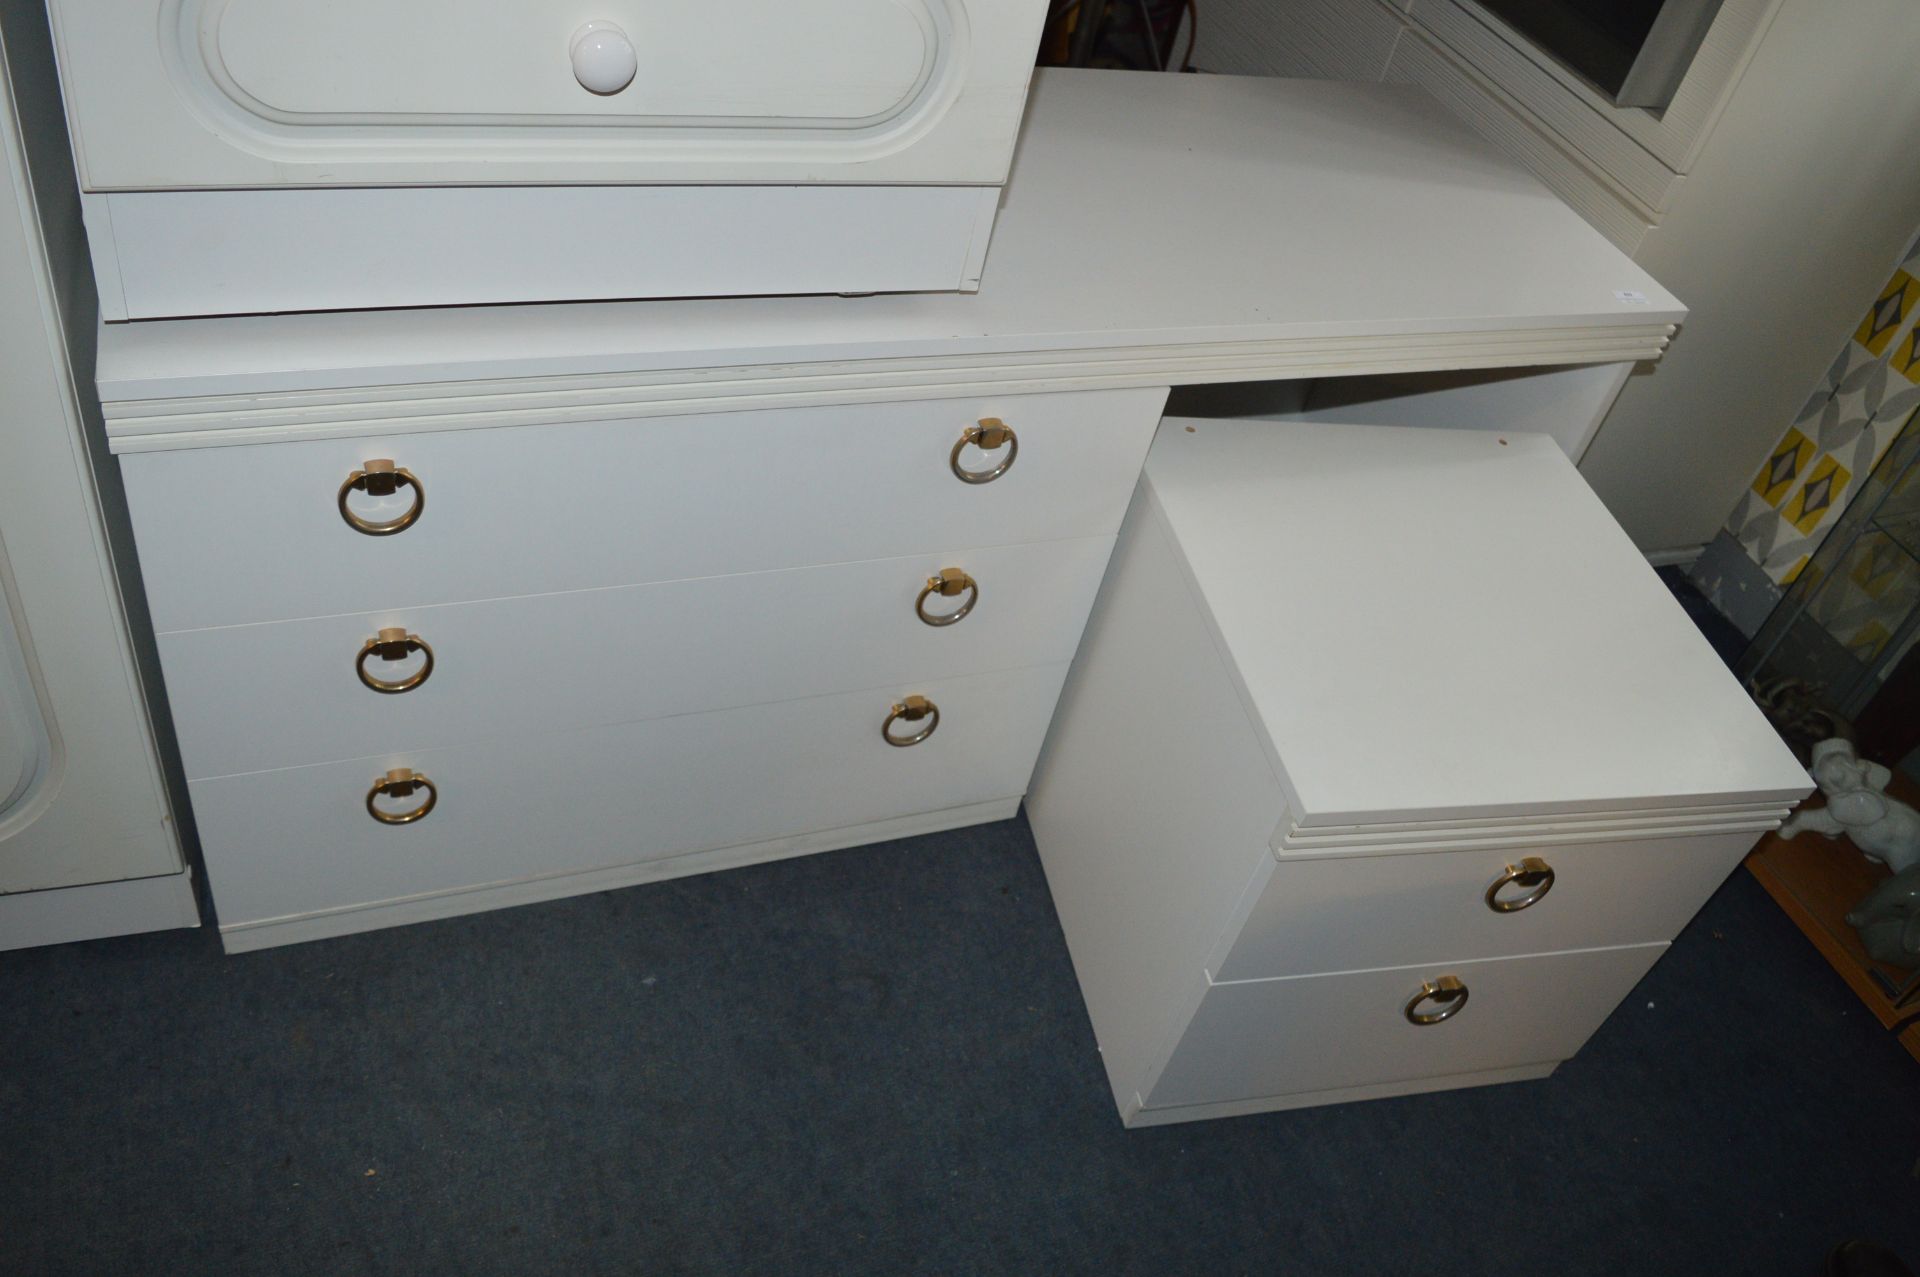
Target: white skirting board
point(160, 254)
point(93, 912)
point(451, 904)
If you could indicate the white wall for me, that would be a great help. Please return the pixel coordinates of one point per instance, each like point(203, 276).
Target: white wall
point(1778, 239)
point(1792, 219)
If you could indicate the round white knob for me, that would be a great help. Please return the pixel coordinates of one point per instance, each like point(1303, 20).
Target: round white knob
point(603, 58)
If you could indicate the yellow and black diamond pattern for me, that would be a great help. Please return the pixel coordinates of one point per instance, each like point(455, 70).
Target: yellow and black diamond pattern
point(1887, 314)
point(1853, 415)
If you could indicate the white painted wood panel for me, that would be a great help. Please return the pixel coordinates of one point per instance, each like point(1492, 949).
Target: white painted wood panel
point(1607, 204)
point(1318, 37)
point(456, 901)
point(746, 61)
point(26, 751)
point(1675, 135)
point(1655, 820)
point(281, 694)
point(1305, 917)
point(1520, 832)
point(297, 841)
point(238, 93)
point(159, 425)
point(1151, 803)
point(178, 253)
point(81, 799)
point(94, 911)
point(1566, 403)
point(238, 535)
point(1584, 121)
point(1309, 262)
point(1315, 1033)
point(1442, 624)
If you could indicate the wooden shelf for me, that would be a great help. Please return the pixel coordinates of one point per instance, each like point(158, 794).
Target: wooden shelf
point(1816, 881)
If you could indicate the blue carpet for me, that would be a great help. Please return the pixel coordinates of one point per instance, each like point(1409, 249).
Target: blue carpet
point(876, 1061)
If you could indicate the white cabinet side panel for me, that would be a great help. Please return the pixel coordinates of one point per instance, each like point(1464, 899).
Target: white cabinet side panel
point(1566, 403)
point(1144, 884)
point(97, 813)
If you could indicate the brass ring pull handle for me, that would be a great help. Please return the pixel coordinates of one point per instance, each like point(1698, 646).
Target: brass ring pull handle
point(989, 434)
point(911, 710)
point(394, 645)
point(950, 583)
point(1446, 993)
point(1532, 873)
point(381, 478)
point(401, 782)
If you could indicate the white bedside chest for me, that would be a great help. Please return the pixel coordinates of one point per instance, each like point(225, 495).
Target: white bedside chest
point(1387, 765)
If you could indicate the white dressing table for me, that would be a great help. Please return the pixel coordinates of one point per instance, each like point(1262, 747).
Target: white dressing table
point(677, 562)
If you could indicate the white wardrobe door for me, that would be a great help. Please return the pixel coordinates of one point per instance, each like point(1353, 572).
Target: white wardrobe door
point(23, 733)
point(92, 810)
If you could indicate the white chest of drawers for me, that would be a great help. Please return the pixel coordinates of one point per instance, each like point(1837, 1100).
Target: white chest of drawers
point(261, 155)
point(656, 646)
point(669, 562)
point(666, 556)
point(1387, 765)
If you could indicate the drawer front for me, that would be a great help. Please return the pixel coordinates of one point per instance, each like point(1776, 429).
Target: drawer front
point(1316, 1033)
point(168, 254)
point(1344, 914)
point(283, 694)
point(234, 535)
point(212, 93)
point(291, 842)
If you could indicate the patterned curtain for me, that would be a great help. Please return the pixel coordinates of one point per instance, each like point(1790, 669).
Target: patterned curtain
point(1848, 423)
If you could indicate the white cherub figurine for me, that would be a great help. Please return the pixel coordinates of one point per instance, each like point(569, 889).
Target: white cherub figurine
point(1883, 828)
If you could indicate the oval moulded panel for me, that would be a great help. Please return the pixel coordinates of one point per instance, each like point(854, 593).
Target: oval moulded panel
point(364, 65)
point(202, 95)
point(24, 750)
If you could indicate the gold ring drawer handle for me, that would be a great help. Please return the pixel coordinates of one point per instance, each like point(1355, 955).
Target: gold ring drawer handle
point(402, 782)
point(1533, 874)
point(1447, 994)
point(950, 583)
point(989, 434)
point(913, 709)
point(381, 478)
point(394, 645)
